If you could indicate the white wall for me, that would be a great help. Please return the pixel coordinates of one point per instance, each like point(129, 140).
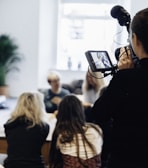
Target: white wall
point(20, 19)
point(137, 5)
point(47, 39)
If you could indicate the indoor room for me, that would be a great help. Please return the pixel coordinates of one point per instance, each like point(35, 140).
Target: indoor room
point(54, 35)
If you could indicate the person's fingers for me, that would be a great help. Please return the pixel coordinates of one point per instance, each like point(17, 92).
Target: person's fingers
point(125, 59)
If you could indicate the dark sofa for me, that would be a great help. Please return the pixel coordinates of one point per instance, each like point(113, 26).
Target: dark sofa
point(74, 87)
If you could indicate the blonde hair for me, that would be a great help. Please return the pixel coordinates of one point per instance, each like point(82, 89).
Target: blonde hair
point(53, 75)
point(30, 106)
point(98, 83)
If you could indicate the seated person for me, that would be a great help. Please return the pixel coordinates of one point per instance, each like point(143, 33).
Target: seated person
point(26, 131)
point(92, 86)
point(54, 95)
point(91, 90)
point(75, 143)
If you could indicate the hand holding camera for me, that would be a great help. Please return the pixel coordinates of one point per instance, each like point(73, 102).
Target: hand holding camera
point(125, 59)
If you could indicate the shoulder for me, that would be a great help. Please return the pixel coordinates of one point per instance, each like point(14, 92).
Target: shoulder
point(93, 129)
point(64, 91)
point(126, 77)
point(48, 94)
point(94, 135)
point(126, 73)
point(45, 128)
point(121, 77)
point(45, 92)
point(15, 123)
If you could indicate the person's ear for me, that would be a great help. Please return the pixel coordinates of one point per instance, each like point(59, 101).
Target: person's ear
point(135, 39)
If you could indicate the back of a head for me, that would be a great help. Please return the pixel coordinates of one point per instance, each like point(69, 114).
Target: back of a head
point(30, 100)
point(93, 81)
point(71, 110)
point(31, 106)
point(139, 26)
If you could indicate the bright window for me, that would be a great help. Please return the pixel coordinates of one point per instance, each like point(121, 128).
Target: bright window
point(84, 27)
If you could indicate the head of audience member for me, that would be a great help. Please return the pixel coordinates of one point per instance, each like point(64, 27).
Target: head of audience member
point(53, 79)
point(92, 81)
point(139, 33)
point(71, 114)
point(30, 106)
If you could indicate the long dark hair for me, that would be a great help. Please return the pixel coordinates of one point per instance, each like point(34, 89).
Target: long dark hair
point(139, 26)
point(70, 123)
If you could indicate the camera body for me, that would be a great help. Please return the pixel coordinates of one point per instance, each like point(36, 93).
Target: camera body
point(99, 60)
point(133, 55)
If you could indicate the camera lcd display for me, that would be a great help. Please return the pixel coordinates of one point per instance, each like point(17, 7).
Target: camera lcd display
point(99, 60)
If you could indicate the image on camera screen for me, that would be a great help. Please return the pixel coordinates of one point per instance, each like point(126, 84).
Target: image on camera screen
point(99, 60)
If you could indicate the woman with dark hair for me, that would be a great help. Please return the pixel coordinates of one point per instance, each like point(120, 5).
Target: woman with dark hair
point(75, 143)
point(122, 109)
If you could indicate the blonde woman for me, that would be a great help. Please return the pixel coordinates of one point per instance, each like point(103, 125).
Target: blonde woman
point(26, 131)
point(91, 87)
point(91, 90)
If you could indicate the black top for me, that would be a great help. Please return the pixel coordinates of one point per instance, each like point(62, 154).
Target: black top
point(122, 113)
point(48, 95)
point(24, 144)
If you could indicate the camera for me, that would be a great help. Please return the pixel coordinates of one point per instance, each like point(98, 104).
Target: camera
point(133, 55)
point(99, 60)
point(124, 19)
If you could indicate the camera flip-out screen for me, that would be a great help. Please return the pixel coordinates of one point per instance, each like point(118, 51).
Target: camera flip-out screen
point(99, 61)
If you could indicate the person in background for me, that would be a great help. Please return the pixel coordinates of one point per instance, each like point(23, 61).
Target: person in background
point(122, 109)
point(75, 143)
point(26, 131)
point(91, 89)
point(54, 95)
point(92, 86)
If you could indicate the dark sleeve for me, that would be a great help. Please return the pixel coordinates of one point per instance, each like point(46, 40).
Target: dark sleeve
point(44, 131)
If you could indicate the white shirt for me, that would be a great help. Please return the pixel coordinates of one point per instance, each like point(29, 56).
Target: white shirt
point(71, 149)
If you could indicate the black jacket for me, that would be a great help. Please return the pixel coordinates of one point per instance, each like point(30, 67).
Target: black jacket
point(122, 112)
point(24, 144)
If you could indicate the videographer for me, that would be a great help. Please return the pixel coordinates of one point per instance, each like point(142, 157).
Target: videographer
point(122, 110)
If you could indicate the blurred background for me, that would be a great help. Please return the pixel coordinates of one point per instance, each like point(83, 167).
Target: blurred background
point(54, 34)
